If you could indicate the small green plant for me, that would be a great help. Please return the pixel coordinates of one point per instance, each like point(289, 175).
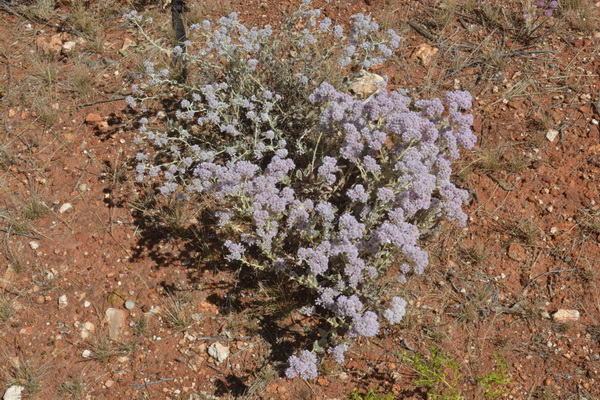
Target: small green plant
point(438, 372)
point(497, 382)
point(370, 395)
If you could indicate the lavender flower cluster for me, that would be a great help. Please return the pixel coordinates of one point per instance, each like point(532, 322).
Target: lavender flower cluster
point(331, 206)
point(547, 7)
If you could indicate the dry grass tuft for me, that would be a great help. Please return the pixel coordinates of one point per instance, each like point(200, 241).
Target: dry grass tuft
point(83, 20)
point(33, 207)
point(527, 230)
point(73, 388)
point(176, 311)
point(43, 9)
point(23, 372)
point(81, 80)
point(6, 309)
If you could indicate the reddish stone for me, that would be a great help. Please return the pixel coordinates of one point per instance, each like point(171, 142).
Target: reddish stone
point(93, 118)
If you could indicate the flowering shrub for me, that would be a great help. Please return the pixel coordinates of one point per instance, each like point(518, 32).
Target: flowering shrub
point(325, 190)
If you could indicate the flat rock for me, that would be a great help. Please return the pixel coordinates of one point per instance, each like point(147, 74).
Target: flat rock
point(7, 279)
point(65, 207)
point(425, 53)
point(218, 352)
point(127, 43)
point(516, 252)
point(49, 46)
point(68, 47)
point(93, 118)
point(87, 330)
point(365, 84)
point(62, 301)
point(116, 322)
point(563, 316)
point(13, 393)
point(551, 135)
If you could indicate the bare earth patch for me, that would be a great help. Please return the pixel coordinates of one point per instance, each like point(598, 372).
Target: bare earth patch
point(108, 293)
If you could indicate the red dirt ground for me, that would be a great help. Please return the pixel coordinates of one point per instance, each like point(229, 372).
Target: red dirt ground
point(531, 246)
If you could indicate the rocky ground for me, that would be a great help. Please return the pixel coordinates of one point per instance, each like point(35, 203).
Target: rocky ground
point(98, 300)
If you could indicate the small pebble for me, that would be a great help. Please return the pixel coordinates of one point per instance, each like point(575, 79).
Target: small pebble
point(13, 393)
point(129, 304)
point(62, 301)
point(86, 354)
point(86, 304)
point(34, 245)
point(551, 135)
point(65, 207)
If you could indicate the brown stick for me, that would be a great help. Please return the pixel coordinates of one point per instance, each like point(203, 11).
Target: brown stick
point(421, 31)
point(547, 273)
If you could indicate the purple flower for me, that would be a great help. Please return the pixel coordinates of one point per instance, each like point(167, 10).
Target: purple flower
point(371, 164)
point(338, 352)
point(236, 250)
point(325, 24)
point(317, 259)
point(348, 306)
point(327, 170)
point(385, 194)
point(326, 211)
point(357, 193)
point(459, 99)
point(365, 325)
point(350, 228)
point(344, 61)
point(130, 101)
point(338, 31)
point(396, 312)
point(304, 366)
point(327, 297)
point(307, 310)
point(394, 39)
point(349, 50)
